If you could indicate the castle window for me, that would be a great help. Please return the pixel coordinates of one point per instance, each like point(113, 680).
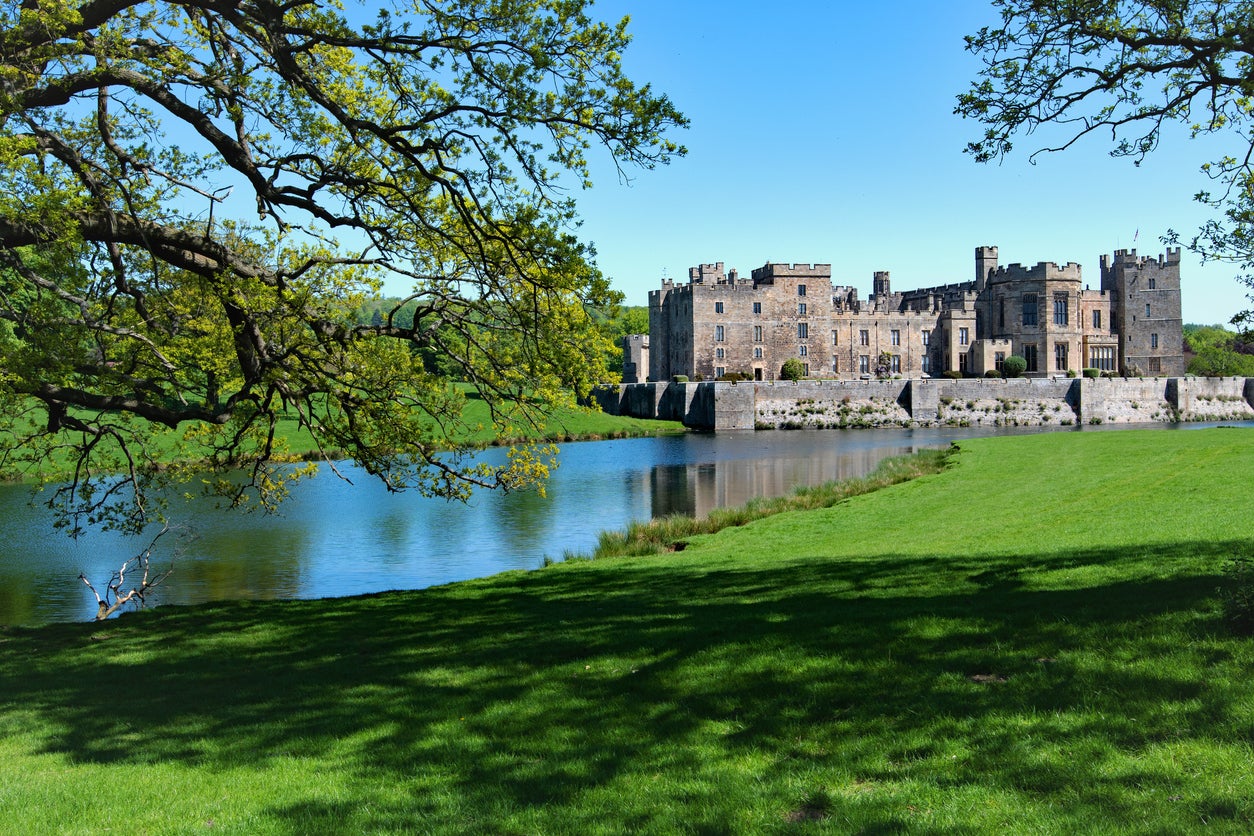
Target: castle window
point(864, 364)
point(1060, 309)
point(835, 365)
point(999, 359)
point(834, 334)
point(1103, 358)
point(964, 336)
point(1029, 356)
point(803, 330)
point(1001, 313)
point(1029, 309)
point(718, 333)
point(719, 371)
point(1153, 341)
point(894, 365)
point(757, 307)
point(757, 352)
point(927, 364)
point(927, 336)
point(801, 290)
point(805, 369)
point(1151, 283)
point(962, 362)
point(801, 309)
point(896, 337)
point(718, 307)
point(719, 354)
point(1147, 313)
point(864, 337)
point(1097, 319)
point(1155, 365)
point(802, 351)
point(1060, 357)
point(757, 333)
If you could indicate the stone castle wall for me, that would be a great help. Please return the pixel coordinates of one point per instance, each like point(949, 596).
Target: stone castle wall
point(1022, 402)
point(722, 325)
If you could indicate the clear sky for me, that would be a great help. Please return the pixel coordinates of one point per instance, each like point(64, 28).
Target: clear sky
point(824, 132)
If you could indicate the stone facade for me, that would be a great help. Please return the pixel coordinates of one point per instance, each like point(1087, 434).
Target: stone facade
point(719, 323)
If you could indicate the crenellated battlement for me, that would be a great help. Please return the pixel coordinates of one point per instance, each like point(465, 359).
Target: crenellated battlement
point(707, 273)
point(1041, 271)
point(769, 272)
point(942, 290)
point(1129, 258)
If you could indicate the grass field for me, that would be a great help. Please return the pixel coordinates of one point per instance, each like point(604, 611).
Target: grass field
point(564, 424)
point(1027, 641)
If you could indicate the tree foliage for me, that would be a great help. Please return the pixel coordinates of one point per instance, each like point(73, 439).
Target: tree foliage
point(1128, 70)
point(793, 369)
point(1218, 352)
point(618, 323)
point(195, 198)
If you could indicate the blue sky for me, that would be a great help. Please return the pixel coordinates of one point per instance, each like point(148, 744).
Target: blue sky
point(824, 132)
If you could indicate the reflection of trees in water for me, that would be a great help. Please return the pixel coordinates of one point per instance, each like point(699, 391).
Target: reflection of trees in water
point(17, 599)
point(236, 562)
point(697, 489)
point(523, 519)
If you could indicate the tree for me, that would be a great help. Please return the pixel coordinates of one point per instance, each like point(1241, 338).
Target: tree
point(1217, 352)
point(1014, 366)
point(1128, 70)
point(793, 369)
point(634, 320)
point(621, 322)
point(431, 144)
point(883, 366)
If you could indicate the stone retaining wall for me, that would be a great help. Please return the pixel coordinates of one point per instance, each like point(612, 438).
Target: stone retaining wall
point(933, 402)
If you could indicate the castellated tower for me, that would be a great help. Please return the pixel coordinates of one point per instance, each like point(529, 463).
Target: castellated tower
point(985, 263)
point(1145, 295)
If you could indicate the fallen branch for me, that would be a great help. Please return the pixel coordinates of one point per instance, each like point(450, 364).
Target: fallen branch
point(116, 594)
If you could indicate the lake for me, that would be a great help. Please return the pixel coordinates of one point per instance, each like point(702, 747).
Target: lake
point(335, 539)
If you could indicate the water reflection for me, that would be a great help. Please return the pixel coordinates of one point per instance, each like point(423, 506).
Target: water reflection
point(335, 539)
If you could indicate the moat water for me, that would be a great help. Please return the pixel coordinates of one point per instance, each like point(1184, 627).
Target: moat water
point(335, 539)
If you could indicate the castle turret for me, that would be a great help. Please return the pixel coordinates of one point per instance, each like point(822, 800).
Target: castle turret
point(985, 264)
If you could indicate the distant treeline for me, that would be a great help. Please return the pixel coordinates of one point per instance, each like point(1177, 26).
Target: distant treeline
point(614, 323)
point(1214, 351)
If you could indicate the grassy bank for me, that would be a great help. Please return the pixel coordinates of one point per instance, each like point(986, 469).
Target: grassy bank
point(561, 424)
point(1026, 641)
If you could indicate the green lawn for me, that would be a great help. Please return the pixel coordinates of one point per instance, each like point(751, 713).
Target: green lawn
point(1028, 641)
point(561, 424)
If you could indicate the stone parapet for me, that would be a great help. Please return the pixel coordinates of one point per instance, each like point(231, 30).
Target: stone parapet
point(934, 402)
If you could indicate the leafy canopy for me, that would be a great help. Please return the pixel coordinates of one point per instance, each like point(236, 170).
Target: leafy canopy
point(196, 197)
point(1128, 70)
point(793, 369)
point(1218, 352)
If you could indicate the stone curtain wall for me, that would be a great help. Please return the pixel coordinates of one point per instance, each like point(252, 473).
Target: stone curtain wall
point(1016, 402)
point(934, 402)
point(833, 403)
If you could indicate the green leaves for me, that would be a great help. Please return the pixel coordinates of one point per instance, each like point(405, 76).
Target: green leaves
point(1125, 70)
point(195, 198)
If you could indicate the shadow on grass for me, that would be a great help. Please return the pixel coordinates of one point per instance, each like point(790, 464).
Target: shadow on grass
point(530, 693)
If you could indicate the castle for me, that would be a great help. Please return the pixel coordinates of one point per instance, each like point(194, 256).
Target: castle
point(720, 324)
